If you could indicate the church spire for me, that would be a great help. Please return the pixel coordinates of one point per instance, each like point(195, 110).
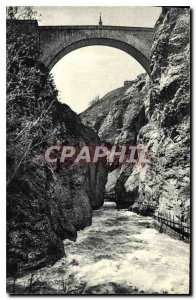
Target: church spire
point(100, 20)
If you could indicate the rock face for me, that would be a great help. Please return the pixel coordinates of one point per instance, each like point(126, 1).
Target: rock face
point(118, 116)
point(156, 113)
point(165, 179)
point(51, 204)
point(45, 203)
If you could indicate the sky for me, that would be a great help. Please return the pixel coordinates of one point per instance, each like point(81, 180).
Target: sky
point(93, 71)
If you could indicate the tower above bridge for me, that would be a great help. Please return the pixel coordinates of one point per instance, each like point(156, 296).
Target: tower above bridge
point(100, 20)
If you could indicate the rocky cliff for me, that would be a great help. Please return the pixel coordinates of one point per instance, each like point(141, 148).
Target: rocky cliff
point(165, 181)
point(155, 112)
point(45, 204)
point(49, 204)
point(118, 116)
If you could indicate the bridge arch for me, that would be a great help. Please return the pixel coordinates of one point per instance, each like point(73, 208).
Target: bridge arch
point(129, 49)
point(57, 41)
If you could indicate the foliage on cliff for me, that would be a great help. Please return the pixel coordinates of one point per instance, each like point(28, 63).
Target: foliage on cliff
point(21, 13)
point(30, 96)
point(44, 205)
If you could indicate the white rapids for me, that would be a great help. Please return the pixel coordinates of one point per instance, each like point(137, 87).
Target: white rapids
point(118, 254)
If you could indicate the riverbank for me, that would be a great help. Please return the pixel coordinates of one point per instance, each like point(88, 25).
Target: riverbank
point(117, 254)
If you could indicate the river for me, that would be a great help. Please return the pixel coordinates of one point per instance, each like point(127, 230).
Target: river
point(118, 254)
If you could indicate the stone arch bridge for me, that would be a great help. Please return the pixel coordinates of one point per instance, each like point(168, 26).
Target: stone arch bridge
point(57, 41)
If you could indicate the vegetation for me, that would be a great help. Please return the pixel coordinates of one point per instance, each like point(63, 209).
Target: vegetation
point(21, 12)
point(94, 101)
point(30, 96)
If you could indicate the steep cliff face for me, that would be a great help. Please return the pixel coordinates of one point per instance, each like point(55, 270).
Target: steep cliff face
point(164, 181)
point(49, 204)
point(118, 116)
point(45, 203)
point(156, 113)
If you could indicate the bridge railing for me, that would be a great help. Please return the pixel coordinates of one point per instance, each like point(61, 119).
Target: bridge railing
point(182, 228)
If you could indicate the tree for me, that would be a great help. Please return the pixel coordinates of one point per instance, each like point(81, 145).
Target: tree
point(94, 101)
point(21, 13)
point(30, 96)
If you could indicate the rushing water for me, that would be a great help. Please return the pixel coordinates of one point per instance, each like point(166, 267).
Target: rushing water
point(118, 254)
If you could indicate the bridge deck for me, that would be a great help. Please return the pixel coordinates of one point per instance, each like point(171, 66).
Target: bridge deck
point(103, 27)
